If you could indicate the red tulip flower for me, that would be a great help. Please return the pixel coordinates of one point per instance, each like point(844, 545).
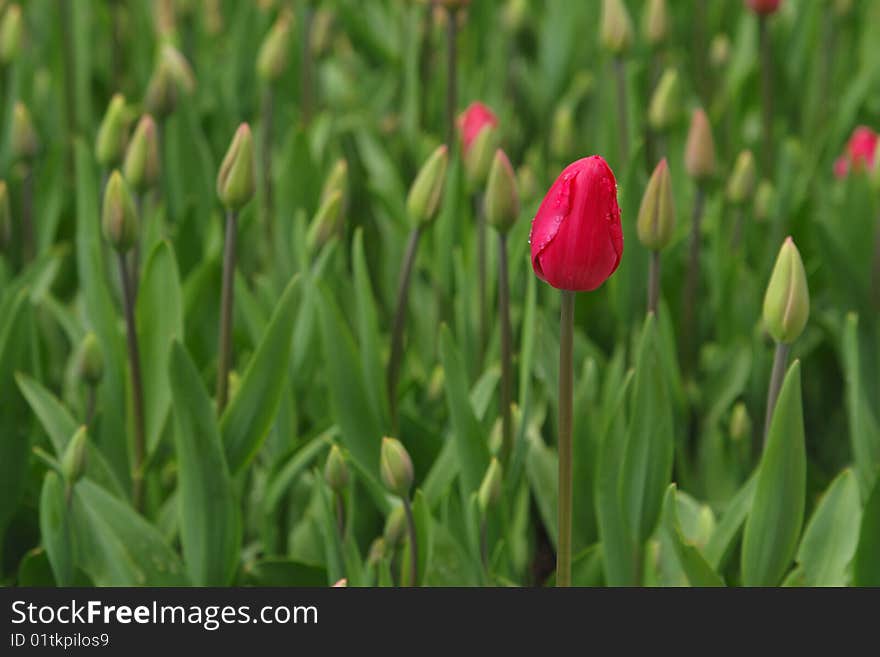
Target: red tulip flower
point(763, 7)
point(860, 153)
point(472, 121)
point(576, 237)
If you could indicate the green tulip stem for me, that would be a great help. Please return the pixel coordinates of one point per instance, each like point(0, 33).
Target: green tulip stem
point(780, 360)
point(622, 110)
point(692, 283)
point(136, 248)
point(90, 404)
point(340, 514)
point(767, 94)
point(226, 302)
point(399, 323)
point(413, 543)
point(738, 221)
point(266, 156)
point(566, 385)
point(654, 282)
point(506, 351)
point(451, 73)
point(137, 390)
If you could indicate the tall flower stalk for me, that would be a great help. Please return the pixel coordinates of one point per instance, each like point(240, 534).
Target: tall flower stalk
point(397, 474)
point(235, 187)
point(656, 223)
point(25, 146)
point(616, 36)
point(576, 244)
point(764, 9)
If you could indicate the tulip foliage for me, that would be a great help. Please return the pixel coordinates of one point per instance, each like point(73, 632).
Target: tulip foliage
point(263, 199)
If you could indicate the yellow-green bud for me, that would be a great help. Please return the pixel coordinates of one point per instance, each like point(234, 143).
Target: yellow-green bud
point(617, 31)
point(424, 196)
point(25, 143)
point(5, 215)
point(395, 526)
point(376, 552)
point(655, 25)
point(740, 423)
point(502, 198)
point(235, 180)
point(73, 463)
point(275, 49)
point(89, 360)
point(699, 155)
point(10, 34)
point(787, 300)
point(213, 17)
point(765, 197)
point(741, 184)
point(322, 31)
point(490, 488)
point(119, 217)
point(112, 133)
point(141, 167)
point(327, 222)
point(478, 158)
point(336, 181)
point(335, 470)
point(664, 107)
point(656, 220)
point(719, 51)
point(562, 131)
point(396, 467)
point(171, 77)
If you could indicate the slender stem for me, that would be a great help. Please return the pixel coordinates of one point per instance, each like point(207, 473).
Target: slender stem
point(654, 282)
point(413, 543)
point(566, 385)
point(738, 221)
point(692, 283)
point(226, 301)
point(136, 249)
point(767, 94)
point(306, 85)
point(451, 74)
point(399, 322)
point(481, 274)
point(622, 110)
point(340, 514)
point(780, 358)
point(137, 390)
point(506, 350)
point(90, 404)
point(266, 173)
point(27, 221)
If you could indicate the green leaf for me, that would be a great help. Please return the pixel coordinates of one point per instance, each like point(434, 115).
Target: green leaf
point(35, 570)
point(284, 572)
point(866, 565)
point(423, 521)
point(281, 483)
point(159, 321)
point(723, 538)
point(774, 523)
point(832, 535)
point(542, 471)
point(647, 459)
point(248, 418)
point(117, 547)
point(210, 527)
point(55, 529)
point(691, 561)
point(469, 437)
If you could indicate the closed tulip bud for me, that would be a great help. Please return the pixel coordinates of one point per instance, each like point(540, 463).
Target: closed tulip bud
point(562, 131)
point(141, 166)
point(119, 217)
point(665, 103)
point(171, 78)
point(490, 488)
point(787, 300)
point(740, 422)
point(73, 463)
point(763, 7)
point(423, 200)
point(377, 552)
point(395, 526)
point(656, 213)
point(275, 49)
point(576, 239)
point(741, 185)
point(335, 470)
point(327, 223)
point(765, 197)
point(699, 155)
point(10, 34)
point(89, 360)
point(396, 467)
point(179, 69)
point(502, 199)
point(213, 17)
point(719, 51)
point(5, 215)
point(655, 22)
point(341, 583)
point(617, 31)
point(112, 133)
point(478, 158)
point(235, 180)
point(25, 143)
point(472, 121)
point(337, 181)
